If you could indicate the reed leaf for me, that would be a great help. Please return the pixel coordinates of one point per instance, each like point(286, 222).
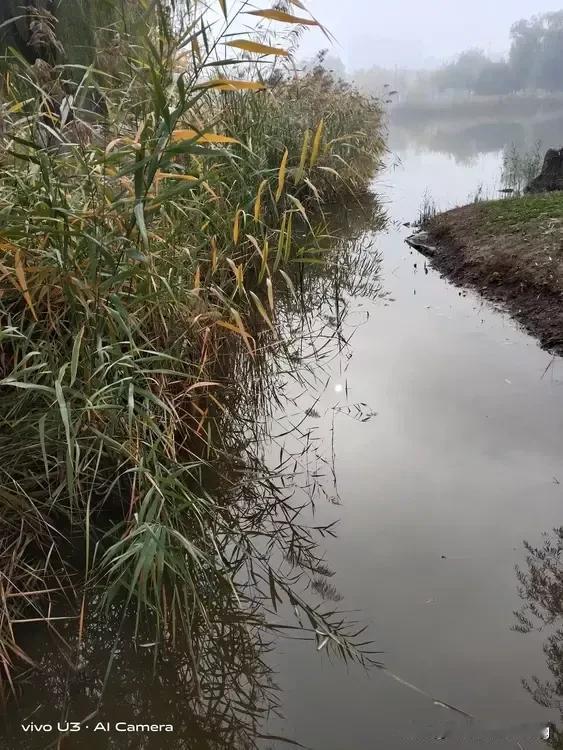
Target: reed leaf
point(247, 45)
point(273, 14)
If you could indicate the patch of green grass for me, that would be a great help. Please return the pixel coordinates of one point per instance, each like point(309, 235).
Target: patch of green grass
point(513, 213)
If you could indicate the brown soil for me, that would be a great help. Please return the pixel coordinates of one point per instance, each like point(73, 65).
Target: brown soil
point(511, 251)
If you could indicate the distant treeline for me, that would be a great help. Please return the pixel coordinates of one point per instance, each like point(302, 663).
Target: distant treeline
point(534, 62)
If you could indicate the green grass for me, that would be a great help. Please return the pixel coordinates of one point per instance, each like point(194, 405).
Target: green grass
point(511, 214)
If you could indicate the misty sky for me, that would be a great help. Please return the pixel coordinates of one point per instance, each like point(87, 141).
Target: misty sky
point(411, 33)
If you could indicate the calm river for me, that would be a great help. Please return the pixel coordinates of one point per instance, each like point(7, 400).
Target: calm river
point(461, 464)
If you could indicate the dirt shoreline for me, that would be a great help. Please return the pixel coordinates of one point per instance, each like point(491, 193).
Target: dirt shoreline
point(511, 252)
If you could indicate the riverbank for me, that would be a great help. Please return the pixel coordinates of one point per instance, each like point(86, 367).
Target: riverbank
point(511, 251)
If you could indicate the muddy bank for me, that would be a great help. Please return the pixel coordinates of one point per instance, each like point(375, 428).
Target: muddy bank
point(511, 251)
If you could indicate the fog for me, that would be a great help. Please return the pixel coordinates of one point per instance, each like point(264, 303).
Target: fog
point(410, 34)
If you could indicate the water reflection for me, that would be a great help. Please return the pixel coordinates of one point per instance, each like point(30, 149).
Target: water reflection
point(216, 687)
point(109, 675)
point(437, 493)
point(316, 306)
point(466, 138)
point(541, 588)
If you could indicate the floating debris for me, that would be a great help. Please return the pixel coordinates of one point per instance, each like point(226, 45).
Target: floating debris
point(435, 701)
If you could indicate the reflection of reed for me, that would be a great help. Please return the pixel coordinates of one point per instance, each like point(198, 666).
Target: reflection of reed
point(222, 704)
point(313, 322)
point(261, 498)
point(541, 588)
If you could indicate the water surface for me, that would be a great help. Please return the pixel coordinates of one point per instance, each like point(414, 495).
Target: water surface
point(461, 464)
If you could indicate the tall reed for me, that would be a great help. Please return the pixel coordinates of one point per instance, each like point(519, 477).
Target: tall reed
point(138, 246)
